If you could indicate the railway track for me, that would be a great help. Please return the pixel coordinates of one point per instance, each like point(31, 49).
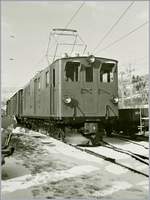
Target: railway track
point(113, 160)
point(138, 157)
point(129, 140)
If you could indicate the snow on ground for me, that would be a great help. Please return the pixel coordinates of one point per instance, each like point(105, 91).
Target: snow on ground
point(27, 181)
point(112, 168)
point(116, 186)
point(108, 152)
point(54, 169)
point(146, 144)
point(121, 158)
point(68, 150)
point(133, 147)
point(144, 185)
point(129, 146)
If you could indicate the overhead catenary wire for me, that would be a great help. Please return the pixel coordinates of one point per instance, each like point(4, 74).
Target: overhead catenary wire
point(71, 19)
point(42, 58)
point(113, 26)
point(136, 60)
point(47, 50)
point(124, 36)
point(74, 15)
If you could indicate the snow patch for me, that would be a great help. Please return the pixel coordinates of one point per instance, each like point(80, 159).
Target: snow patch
point(127, 145)
point(142, 167)
point(113, 168)
point(144, 184)
point(18, 130)
point(133, 148)
point(28, 181)
point(134, 165)
point(109, 152)
point(69, 151)
point(46, 140)
point(145, 144)
point(116, 186)
point(34, 133)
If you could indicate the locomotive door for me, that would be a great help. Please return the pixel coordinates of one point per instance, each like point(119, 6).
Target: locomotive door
point(52, 92)
point(107, 88)
point(88, 91)
point(35, 95)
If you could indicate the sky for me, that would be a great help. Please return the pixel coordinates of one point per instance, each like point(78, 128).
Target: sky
point(25, 28)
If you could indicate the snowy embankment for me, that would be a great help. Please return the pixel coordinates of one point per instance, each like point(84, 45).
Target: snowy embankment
point(27, 181)
point(54, 146)
point(56, 169)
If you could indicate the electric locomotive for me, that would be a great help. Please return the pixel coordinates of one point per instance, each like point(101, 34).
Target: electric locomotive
point(79, 92)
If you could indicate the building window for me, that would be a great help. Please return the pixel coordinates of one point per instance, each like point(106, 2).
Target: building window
point(107, 73)
point(71, 71)
point(89, 74)
point(47, 79)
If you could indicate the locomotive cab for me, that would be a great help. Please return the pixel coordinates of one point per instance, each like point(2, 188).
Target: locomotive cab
point(89, 90)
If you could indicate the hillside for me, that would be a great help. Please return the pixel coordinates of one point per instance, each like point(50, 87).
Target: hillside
point(133, 91)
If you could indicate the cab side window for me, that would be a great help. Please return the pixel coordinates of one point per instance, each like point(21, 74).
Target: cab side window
point(47, 78)
point(39, 84)
point(25, 98)
point(53, 77)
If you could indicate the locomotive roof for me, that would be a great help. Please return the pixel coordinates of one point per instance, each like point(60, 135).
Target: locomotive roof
point(77, 57)
point(65, 58)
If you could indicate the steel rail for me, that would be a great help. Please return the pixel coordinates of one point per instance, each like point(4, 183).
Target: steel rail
point(133, 155)
point(131, 141)
point(112, 160)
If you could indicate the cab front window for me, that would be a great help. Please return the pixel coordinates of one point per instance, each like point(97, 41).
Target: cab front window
point(107, 72)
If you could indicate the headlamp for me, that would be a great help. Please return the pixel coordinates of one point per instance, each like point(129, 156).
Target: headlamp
point(91, 59)
point(67, 100)
point(115, 100)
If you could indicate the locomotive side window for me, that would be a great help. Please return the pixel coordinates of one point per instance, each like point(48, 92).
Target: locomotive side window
point(71, 71)
point(54, 77)
point(47, 79)
point(39, 84)
point(106, 73)
point(25, 98)
point(89, 74)
point(28, 90)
